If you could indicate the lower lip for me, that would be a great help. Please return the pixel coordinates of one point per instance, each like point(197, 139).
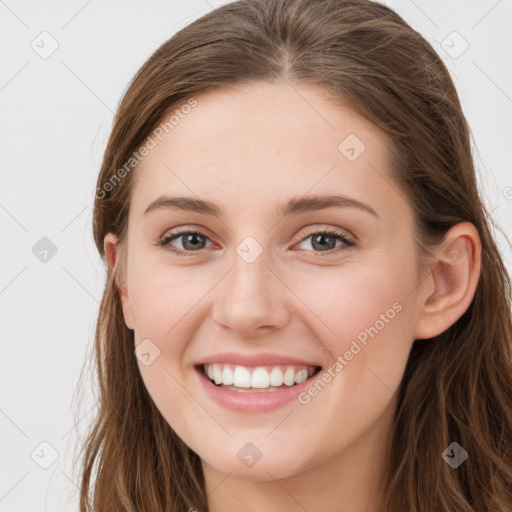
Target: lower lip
point(252, 402)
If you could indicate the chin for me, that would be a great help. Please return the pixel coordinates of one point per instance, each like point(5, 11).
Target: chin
point(266, 469)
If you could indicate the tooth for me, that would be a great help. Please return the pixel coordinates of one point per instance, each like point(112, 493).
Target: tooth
point(276, 377)
point(217, 374)
point(242, 377)
point(260, 378)
point(289, 377)
point(227, 375)
point(301, 376)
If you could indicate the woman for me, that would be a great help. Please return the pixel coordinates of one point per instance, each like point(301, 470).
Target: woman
point(305, 307)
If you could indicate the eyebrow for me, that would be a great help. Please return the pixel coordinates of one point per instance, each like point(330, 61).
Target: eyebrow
point(293, 206)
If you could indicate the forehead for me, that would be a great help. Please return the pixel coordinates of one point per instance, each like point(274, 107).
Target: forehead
point(253, 145)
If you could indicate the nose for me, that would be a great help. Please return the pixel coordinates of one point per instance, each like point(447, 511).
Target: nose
point(251, 300)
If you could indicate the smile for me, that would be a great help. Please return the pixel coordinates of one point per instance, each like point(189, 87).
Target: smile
point(260, 378)
point(254, 389)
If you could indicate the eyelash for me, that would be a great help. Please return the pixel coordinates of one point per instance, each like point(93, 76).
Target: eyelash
point(165, 242)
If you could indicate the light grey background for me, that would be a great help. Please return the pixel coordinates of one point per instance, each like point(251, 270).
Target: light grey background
point(56, 113)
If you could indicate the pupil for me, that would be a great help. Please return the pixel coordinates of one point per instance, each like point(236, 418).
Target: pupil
point(192, 236)
point(323, 245)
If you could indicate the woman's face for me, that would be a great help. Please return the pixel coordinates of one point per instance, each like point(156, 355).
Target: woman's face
point(259, 279)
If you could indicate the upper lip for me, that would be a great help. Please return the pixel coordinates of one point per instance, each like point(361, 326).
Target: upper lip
point(264, 359)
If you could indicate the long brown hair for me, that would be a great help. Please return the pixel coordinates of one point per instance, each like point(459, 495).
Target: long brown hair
point(456, 386)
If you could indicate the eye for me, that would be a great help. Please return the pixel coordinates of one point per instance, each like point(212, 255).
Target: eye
point(325, 241)
point(191, 241)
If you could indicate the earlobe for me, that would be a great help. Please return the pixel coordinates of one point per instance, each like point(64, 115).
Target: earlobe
point(454, 276)
point(112, 256)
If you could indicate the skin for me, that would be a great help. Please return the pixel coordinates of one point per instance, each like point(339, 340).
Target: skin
point(248, 150)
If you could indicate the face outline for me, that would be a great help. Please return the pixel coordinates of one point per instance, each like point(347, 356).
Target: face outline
point(248, 151)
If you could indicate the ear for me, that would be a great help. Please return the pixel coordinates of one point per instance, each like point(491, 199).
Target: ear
point(112, 255)
point(451, 285)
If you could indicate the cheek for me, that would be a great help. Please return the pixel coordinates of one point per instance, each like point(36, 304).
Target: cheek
point(364, 314)
point(163, 302)
point(161, 298)
point(365, 305)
